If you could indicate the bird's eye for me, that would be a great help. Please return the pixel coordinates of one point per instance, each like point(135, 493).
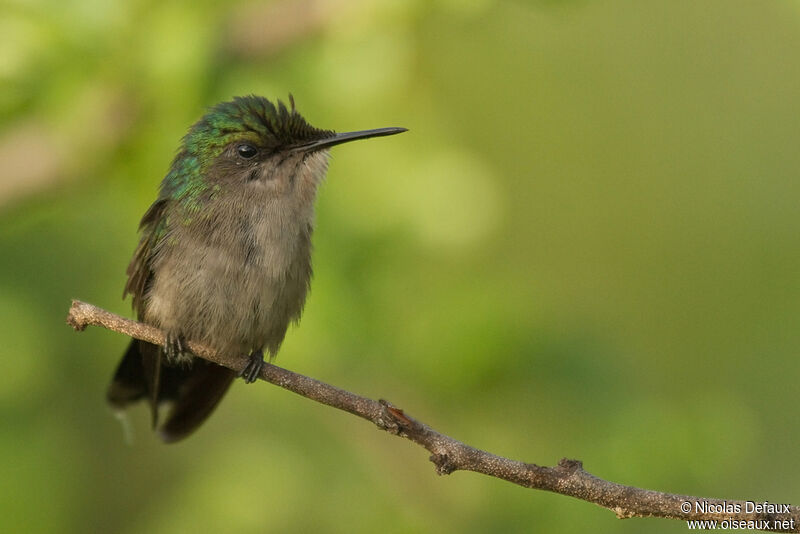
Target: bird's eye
point(246, 151)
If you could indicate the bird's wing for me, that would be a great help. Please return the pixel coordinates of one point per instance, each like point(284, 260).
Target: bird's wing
point(139, 373)
point(140, 274)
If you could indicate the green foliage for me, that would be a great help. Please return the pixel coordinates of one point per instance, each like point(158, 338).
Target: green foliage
point(586, 246)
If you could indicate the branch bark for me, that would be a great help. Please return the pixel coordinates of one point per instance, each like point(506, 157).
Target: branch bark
point(449, 455)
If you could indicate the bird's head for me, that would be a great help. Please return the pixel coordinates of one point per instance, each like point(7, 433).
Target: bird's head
point(251, 142)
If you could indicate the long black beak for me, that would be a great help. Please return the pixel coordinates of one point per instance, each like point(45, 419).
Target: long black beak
point(339, 138)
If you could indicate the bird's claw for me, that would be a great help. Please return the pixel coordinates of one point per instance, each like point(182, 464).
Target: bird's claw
point(174, 346)
point(253, 369)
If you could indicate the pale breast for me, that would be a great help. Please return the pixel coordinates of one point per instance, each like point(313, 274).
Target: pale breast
point(236, 281)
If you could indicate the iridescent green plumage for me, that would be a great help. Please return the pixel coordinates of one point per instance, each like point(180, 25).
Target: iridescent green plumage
point(252, 119)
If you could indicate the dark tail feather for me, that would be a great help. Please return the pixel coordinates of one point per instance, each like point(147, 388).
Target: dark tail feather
point(129, 384)
point(138, 377)
point(196, 390)
point(200, 389)
point(151, 364)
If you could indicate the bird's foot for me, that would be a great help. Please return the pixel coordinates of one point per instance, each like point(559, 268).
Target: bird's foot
point(174, 347)
point(253, 368)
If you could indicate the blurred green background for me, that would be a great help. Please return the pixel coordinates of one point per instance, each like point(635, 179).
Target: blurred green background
point(588, 245)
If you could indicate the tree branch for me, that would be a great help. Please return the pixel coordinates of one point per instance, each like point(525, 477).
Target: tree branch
point(449, 455)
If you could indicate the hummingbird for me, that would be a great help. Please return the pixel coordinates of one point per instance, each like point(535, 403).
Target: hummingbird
point(224, 257)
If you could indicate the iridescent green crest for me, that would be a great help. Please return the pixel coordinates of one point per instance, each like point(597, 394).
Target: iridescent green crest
point(253, 119)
